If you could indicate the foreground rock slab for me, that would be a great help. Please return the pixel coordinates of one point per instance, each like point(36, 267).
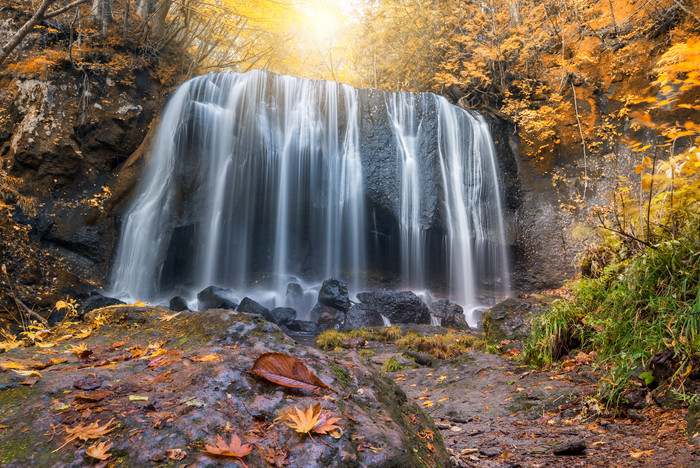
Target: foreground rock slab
point(166, 384)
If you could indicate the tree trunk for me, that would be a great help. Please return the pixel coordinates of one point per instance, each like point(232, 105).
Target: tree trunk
point(102, 9)
point(24, 30)
point(145, 8)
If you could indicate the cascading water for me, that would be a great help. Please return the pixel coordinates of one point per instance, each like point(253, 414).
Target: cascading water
point(257, 180)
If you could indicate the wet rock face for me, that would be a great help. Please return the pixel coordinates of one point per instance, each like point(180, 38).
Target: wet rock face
point(334, 293)
point(97, 301)
point(178, 304)
point(178, 400)
point(510, 319)
point(68, 130)
point(360, 316)
point(450, 314)
point(214, 297)
point(400, 307)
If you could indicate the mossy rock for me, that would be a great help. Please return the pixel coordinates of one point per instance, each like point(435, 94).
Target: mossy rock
point(510, 320)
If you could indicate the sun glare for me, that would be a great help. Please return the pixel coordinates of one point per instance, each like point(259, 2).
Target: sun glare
point(322, 20)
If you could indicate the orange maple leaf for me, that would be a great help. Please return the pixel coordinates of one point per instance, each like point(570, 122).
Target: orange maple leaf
point(313, 419)
point(100, 450)
point(233, 449)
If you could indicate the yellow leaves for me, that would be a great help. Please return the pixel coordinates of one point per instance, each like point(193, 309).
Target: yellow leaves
point(11, 365)
point(234, 448)
point(67, 304)
point(207, 358)
point(313, 419)
point(78, 350)
point(99, 451)
point(167, 318)
point(27, 373)
point(640, 453)
point(85, 433)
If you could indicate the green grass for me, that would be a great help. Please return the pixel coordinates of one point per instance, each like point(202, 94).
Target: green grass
point(331, 339)
point(634, 309)
point(392, 365)
point(448, 346)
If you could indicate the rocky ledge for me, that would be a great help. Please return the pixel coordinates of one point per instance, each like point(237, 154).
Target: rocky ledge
point(158, 387)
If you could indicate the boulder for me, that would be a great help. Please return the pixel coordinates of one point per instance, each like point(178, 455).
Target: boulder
point(400, 307)
point(328, 321)
point(249, 306)
point(509, 320)
point(303, 326)
point(326, 317)
point(334, 293)
point(376, 411)
point(178, 304)
point(283, 315)
point(97, 301)
point(359, 316)
point(215, 298)
point(450, 314)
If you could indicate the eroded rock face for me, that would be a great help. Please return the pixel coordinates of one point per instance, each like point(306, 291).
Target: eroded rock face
point(177, 400)
point(450, 314)
point(214, 297)
point(334, 293)
point(511, 319)
point(400, 307)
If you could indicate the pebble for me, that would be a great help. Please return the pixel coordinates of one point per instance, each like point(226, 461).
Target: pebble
point(574, 446)
point(489, 451)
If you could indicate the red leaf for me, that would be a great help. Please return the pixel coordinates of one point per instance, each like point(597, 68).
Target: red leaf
point(287, 371)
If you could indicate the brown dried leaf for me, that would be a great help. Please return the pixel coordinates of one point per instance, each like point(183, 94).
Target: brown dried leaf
point(85, 433)
point(287, 371)
point(97, 395)
point(326, 424)
point(99, 451)
point(207, 358)
point(233, 449)
point(275, 457)
point(167, 318)
point(176, 454)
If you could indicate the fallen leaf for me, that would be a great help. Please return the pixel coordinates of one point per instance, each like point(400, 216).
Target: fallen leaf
point(275, 457)
point(99, 451)
point(26, 373)
point(232, 449)
point(167, 318)
point(207, 358)
point(313, 419)
point(638, 454)
point(287, 371)
point(138, 398)
point(176, 454)
point(10, 365)
point(78, 349)
point(84, 333)
point(45, 344)
point(97, 395)
point(85, 433)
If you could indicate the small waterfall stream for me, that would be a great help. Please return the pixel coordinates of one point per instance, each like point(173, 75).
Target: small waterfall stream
point(257, 181)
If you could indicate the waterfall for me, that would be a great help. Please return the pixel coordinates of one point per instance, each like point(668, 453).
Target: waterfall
point(256, 181)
